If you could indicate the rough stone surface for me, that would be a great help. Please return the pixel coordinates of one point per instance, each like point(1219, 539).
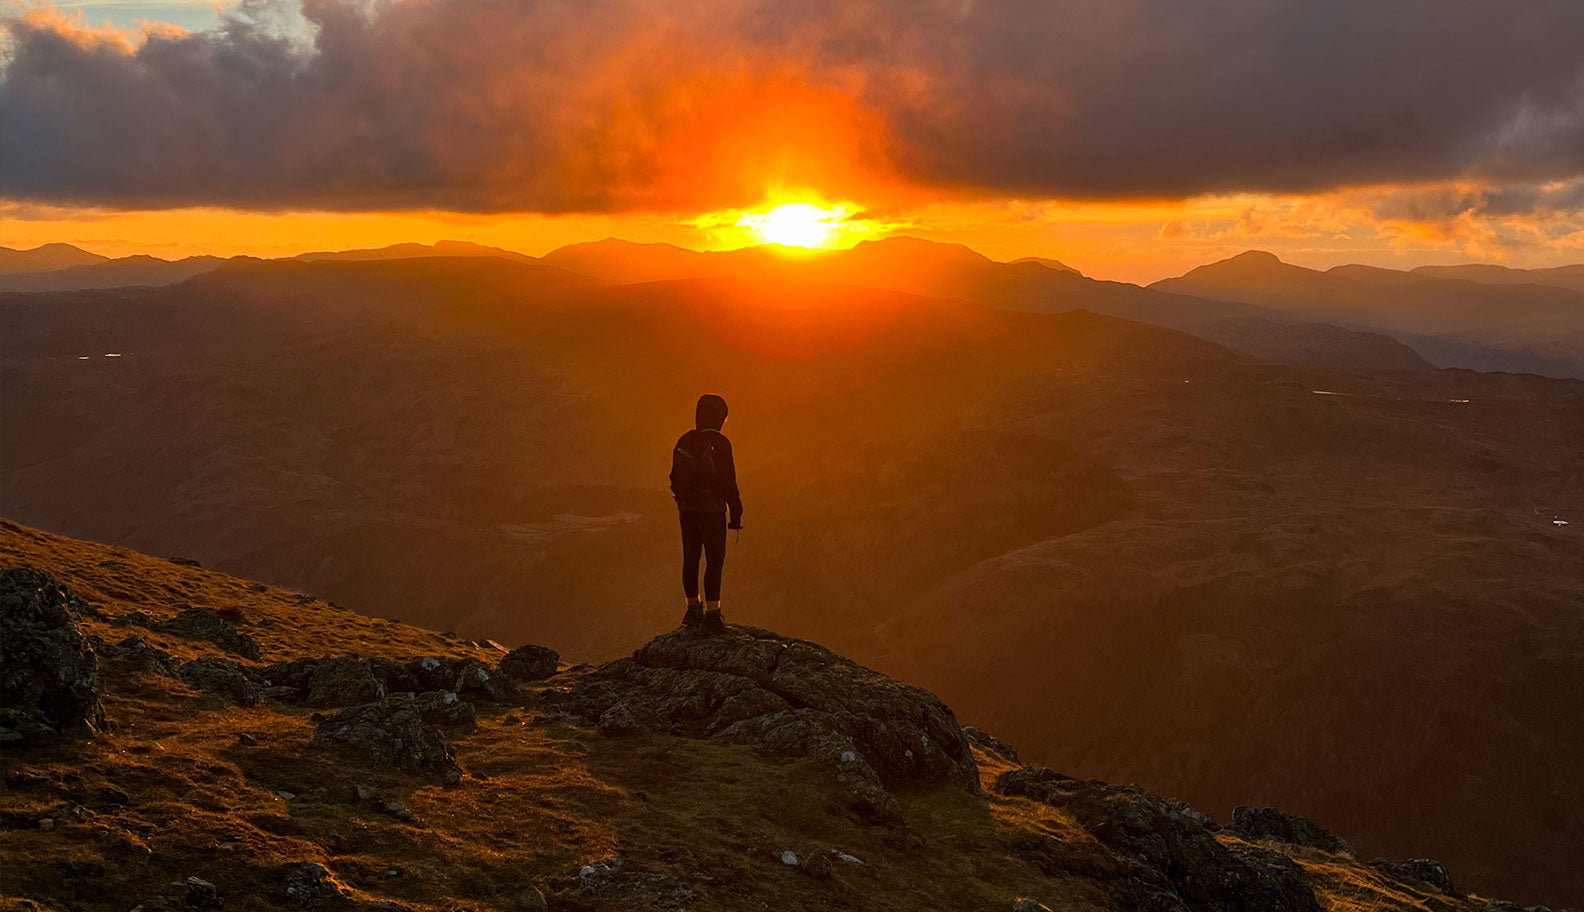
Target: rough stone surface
point(477, 680)
point(400, 730)
point(990, 744)
point(308, 883)
point(223, 677)
point(789, 697)
point(1270, 823)
point(343, 681)
point(529, 663)
point(197, 624)
point(1423, 871)
point(1167, 850)
point(139, 654)
point(49, 675)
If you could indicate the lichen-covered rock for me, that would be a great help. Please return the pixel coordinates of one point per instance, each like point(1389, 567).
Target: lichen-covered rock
point(529, 663)
point(49, 675)
point(435, 672)
point(195, 623)
point(138, 654)
point(400, 730)
point(288, 681)
point(224, 677)
point(1172, 846)
point(1270, 823)
point(475, 679)
point(1418, 871)
point(343, 681)
point(789, 697)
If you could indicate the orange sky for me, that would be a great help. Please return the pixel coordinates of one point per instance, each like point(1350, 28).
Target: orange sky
point(672, 125)
point(1134, 242)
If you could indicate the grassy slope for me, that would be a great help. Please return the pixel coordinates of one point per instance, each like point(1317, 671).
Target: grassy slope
point(539, 798)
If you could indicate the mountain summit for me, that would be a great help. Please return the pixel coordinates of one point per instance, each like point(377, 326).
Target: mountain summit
point(181, 739)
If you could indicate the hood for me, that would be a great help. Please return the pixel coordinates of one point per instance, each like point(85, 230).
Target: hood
point(710, 413)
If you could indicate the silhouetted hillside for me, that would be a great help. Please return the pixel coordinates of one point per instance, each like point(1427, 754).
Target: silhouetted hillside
point(1490, 274)
point(45, 257)
point(1452, 322)
point(132, 270)
point(1346, 591)
point(404, 251)
point(954, 271)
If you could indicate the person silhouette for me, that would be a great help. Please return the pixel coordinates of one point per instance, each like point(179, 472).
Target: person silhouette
point(704, 483)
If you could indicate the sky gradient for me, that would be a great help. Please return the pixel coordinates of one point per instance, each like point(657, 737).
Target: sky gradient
point(1133, 139)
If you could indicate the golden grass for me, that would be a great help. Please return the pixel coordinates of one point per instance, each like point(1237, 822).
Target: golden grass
point(539, 798)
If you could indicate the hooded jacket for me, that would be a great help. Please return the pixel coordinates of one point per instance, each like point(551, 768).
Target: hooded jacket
point(706, 444)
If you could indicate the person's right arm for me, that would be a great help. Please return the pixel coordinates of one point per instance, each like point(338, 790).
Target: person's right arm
point(726, 474)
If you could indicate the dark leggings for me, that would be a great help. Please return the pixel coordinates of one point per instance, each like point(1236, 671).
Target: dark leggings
point(706, 533)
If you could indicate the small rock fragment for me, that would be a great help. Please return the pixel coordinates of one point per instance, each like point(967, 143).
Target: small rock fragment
point(396, 809)
point(818, 864)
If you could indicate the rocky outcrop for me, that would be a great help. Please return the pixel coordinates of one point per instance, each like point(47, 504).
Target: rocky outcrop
point(49, 675)
point(401, 730)
point(343, 681)
point(990, 744)
point(477, 680)
point(223, 677)
point(792, 699)
point(1418, 871)
point(529, 663)
point(352, 680)
point(137, 654)
point(195, 623)
point(1270, 823)
point(1168, 853)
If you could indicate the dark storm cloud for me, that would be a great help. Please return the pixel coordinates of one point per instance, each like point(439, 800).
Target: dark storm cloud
point(555, 106)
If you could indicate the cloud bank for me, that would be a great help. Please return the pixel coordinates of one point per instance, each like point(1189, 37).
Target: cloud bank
point(622, 105)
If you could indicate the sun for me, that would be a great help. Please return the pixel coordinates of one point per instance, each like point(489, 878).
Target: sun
point(795, 225)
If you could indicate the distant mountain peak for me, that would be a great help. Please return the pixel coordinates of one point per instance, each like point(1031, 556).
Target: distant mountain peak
point(1047, 262)
point(1254, 256)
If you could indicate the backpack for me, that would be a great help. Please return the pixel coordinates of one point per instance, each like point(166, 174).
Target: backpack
point(693, 474)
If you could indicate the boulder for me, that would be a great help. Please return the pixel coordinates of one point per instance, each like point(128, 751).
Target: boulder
point(477, 680)
point(224, 677)
point(1270, 823)
point(788, 697)
point(138, 654)
point(344, 681)
point(1418, 871)
point(529, 663)
point(400, 730)
point(49, 675)
point(1169, 845)
point(197, 624)
point(435, 672)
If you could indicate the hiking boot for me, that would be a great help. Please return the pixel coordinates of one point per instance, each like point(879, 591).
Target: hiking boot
point(694, 615)
point(712, 623)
